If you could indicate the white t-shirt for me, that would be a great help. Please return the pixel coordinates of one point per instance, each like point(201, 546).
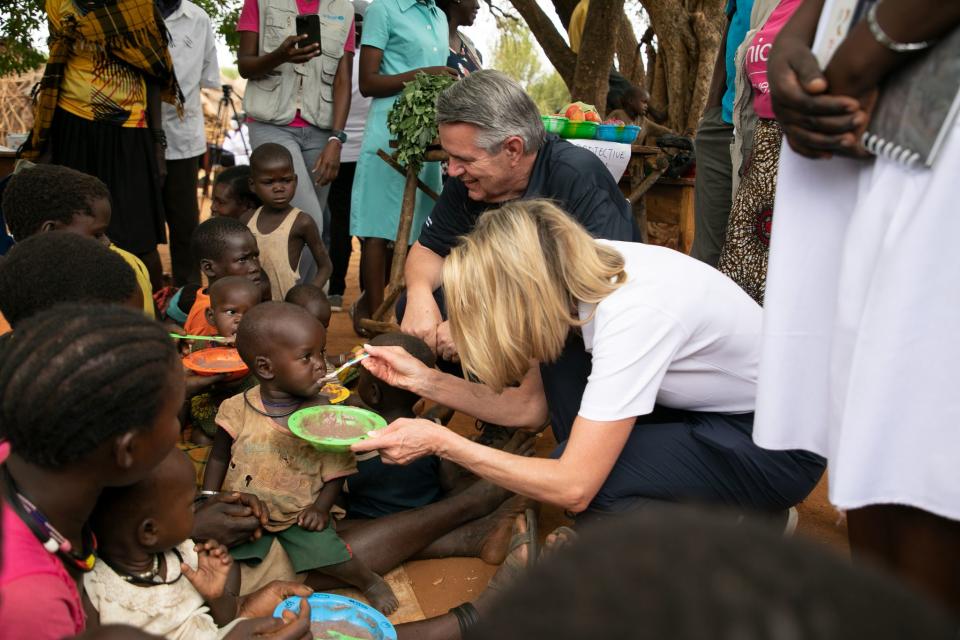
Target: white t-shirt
point(356, 119)
point(678, 333)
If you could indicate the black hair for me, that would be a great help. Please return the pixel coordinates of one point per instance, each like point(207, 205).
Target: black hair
point(269, 153)
point(411, 344)
point(209, 239)
point(238, 178)
point(220, 286)
point(77, 375)
point(307, 296)
point(261, 325)
point(394, 397)
point(57, 267)
point(48, 192)
point(687, 574)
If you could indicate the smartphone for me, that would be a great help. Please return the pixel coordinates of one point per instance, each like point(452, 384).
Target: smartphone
point(308, 25)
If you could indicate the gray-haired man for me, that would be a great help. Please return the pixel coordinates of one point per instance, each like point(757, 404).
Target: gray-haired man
point(500, 152)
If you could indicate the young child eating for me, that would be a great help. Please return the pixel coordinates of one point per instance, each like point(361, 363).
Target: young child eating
point(232, 196)
point(379, 489)
point(150, 574)
point(313, 300)
point(282, 231)
point(254, 451)
point(230, 298)
point(223, 247)
point(50, 197)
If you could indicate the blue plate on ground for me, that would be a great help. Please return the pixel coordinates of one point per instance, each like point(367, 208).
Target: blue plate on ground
point(346, 614)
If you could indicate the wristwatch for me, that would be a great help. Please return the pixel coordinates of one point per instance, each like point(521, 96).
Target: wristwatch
point(339, 135)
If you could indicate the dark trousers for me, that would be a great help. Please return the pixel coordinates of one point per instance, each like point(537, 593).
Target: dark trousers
point(713, 190)
point(673, 455)
point(705, 458)
point(183, 216)
point(341, 243)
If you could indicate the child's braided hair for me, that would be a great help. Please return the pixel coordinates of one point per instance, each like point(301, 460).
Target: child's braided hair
point(76, 375)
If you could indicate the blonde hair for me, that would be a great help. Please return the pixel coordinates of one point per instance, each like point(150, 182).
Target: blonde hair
point(513, 284)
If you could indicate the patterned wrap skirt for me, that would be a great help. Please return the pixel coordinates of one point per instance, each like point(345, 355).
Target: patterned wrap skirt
point(747, 245)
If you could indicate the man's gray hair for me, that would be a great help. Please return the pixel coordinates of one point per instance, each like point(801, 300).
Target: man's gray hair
point(498, 106)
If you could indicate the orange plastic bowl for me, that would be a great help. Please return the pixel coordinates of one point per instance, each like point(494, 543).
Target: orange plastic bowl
point(216, 360)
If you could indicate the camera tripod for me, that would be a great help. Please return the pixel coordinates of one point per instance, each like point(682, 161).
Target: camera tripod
point(226, 107)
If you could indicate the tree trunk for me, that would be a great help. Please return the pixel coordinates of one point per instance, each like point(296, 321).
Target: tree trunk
point(600, 35)
point(561, 57)
point(628, 54)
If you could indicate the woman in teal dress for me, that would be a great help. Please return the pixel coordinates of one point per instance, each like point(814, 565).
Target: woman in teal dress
point(400, 39)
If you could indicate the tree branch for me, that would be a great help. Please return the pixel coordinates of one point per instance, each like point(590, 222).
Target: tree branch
point(561, 57)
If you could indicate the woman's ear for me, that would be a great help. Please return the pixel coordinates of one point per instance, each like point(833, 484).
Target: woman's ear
point(147, 533)
point(263, 368)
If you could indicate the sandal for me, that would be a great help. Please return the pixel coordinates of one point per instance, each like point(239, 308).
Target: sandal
point(512, 568)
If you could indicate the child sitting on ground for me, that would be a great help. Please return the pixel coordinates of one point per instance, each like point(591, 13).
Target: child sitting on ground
point(56, 267)
point(282, 231)
point(50, 197)
point(232, 196)
point(223, 247)
point(144, 550)
point(255, 452)
point(313, 300)
point(230, 298)
point(379, 489)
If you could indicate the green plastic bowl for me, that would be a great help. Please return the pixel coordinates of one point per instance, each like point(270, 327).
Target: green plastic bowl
point(583, 129)
point(354, 421)
point(554, 124)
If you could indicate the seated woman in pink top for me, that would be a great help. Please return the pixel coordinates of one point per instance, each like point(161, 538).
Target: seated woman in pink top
point(744, 254)
point(89, 397)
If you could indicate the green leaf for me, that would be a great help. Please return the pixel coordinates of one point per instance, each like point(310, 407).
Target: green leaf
point(413, 117)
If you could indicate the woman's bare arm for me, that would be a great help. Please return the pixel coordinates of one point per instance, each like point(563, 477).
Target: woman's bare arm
point(570, 481)
point(373, 84)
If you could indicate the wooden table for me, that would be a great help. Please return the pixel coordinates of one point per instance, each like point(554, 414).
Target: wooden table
point(656, 198)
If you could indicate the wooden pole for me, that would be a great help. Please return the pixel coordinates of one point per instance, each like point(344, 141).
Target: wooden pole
point(400, 246)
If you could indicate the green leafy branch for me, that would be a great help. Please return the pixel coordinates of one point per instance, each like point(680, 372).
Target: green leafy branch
point(413, 117)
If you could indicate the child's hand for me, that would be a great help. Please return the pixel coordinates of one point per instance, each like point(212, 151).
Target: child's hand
point(213, 567)
point(313, 519)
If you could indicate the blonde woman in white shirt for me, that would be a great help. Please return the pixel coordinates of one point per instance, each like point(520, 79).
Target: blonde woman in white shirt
point(666, 413)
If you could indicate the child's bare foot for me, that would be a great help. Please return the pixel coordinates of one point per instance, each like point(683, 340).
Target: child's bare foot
point(381, 596)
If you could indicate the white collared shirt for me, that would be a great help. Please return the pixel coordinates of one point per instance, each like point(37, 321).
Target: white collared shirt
point(194, 52)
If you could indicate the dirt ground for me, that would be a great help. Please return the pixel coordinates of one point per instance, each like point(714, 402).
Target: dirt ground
point(442, 584)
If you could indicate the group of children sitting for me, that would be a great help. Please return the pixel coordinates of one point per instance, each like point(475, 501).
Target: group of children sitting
point(249, 257)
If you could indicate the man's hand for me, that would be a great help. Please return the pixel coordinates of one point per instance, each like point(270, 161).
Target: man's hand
point(816, 124)
point(313, 518)
point(213, 568)
point(446, 348)
point(264, 600)
point(288, 51)
point(328, 164)
point(232, 518)
point(422, 317)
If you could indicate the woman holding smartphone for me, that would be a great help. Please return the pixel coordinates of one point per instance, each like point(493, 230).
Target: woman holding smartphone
point(299, 94)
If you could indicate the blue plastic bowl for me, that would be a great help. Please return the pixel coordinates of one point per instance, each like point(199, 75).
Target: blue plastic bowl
point(326, 607)
point(622, 133)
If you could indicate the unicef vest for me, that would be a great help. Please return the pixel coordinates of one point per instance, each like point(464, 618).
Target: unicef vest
point(308, 87)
